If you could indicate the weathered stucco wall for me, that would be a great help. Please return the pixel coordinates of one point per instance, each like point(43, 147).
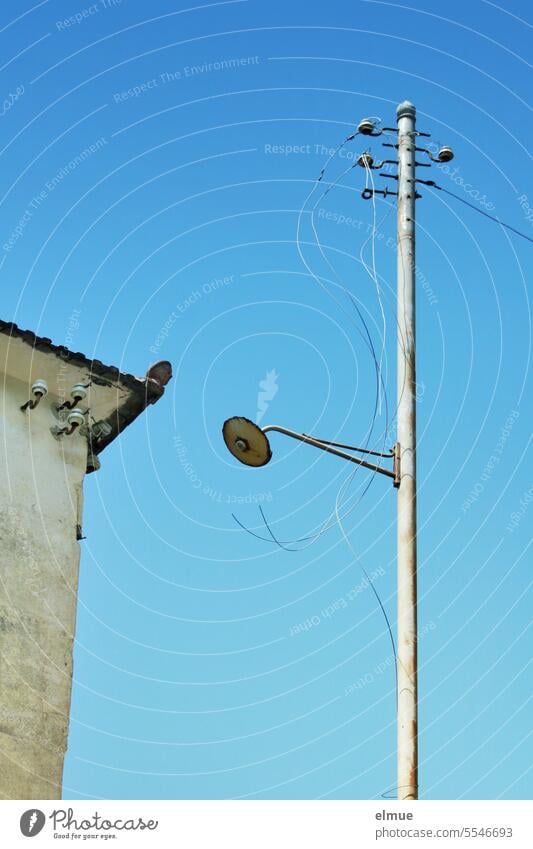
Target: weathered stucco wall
point(40, 507)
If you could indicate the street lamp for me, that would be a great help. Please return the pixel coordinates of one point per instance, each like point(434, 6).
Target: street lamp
point(249, 444)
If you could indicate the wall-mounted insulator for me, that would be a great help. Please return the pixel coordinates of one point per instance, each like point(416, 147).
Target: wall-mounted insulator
point(77, 393)
point(75, 419)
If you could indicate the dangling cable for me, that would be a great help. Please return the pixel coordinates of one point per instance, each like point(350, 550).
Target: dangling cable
point(368, 342)
point(433, 185)
point(330, 521)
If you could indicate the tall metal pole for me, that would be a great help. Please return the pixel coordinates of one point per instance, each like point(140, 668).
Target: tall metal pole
point(407, 596)
point(404, 454)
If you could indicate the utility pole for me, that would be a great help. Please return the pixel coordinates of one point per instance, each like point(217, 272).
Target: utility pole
point(405, 460)
point(406, 378)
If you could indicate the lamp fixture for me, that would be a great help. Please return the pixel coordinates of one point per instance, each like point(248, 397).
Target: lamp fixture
point(249, 444)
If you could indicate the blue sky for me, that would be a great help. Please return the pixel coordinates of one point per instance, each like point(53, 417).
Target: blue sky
point(210, 663)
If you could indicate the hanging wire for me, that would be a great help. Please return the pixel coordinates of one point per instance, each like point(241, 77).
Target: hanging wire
point(369, 343)
point(378, 365)
point(278, 542)
point(373, 276)
point(331, 521)
point(310, 539)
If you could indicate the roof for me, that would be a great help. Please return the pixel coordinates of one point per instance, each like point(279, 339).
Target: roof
point(116, 398)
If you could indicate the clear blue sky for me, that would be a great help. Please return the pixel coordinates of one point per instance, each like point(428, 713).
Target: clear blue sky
point(174, 238)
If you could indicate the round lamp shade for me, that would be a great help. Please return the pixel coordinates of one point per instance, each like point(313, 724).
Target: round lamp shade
point(246, 441)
